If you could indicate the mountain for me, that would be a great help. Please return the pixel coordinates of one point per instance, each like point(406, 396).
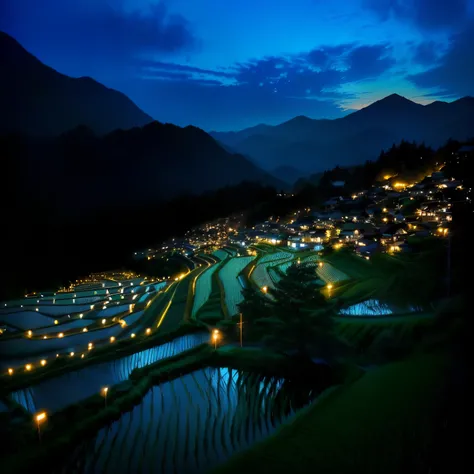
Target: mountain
point(314, 145)
point(37, 100)
point(288, 174)
point(80, 172)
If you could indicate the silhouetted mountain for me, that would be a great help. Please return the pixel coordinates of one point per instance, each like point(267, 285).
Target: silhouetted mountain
point(314, 145)
point(37, 100)
point(150, 164)
point(288, 174)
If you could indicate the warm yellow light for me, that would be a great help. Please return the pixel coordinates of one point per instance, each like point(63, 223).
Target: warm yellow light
point(265, 289)
point(84, 330)
point(90, 346)
point(40, 417)
point(329, 286)
point(132, 335)
point(387, 176)
point(112, 339)
point(385, 219)
point(103, 321)
point(385, 209)
point(61, 334)
point(148, 331)
point(28, 367)
point(81, 315)
point(30, 333)
point(43, 362)
point(10, 371)
point(320, 264)
point(440, 229)
point(105, 390)
point(72, 354)
point(82, 356)
point(399, 185)
point(56, 321)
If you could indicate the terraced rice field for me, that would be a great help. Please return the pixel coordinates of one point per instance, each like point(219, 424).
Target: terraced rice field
point(220, 254)
point(71, 387)
point(203, 289)
point(260, 275)
point(330, 274)
point(232, 287)
point(191, 424)
point(43, 326)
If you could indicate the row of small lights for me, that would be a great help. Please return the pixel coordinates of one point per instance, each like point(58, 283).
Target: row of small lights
point(90, 346)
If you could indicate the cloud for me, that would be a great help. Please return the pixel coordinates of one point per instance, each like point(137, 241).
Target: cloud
point(426, 14)
point(87, 33)
point(454, 76)
point(367, 62)
point(426, 53)
point(314, 74)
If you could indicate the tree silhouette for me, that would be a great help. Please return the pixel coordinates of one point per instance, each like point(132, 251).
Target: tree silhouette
point(297, 316)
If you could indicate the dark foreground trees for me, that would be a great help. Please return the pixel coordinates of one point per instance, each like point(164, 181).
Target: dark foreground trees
point(295, 317)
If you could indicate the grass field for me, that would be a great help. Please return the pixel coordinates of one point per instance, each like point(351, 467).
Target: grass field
point(379, 424)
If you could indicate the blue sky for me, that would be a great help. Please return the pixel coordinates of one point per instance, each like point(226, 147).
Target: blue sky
point(226, 65)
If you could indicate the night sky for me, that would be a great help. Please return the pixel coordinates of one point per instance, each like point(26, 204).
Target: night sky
point(226, 65)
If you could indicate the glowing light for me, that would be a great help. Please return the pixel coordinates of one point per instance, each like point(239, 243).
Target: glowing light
point(30, 333)
point(72, 354)
point(84, 330)
point(265, 289)
point(10, 371)
point(112, 339)
point(28, 367)
point(132, 335)
point(148, 331)
point(45, 337)
point(61, 334)
point(40, 417)
point(400, 185)
point(329, 286)
point(103, 321)
point(43, 362)
point(56, 321)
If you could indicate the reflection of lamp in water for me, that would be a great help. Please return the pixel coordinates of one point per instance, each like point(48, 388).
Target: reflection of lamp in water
point(104, 393)
point(215, 337)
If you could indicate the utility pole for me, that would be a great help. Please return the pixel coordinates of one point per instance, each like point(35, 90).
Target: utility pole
point(241, 328)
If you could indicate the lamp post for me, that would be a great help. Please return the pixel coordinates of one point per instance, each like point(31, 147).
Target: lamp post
point(241, 329)
point(40, 418)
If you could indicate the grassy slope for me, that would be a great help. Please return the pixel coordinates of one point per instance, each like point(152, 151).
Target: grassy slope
point(376, 425)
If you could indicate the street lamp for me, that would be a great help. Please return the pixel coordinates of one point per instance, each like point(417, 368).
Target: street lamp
point(265, 289)
point(40, 418)
point(215, 337)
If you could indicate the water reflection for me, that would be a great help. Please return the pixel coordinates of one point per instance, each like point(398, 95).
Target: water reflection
point(193, 423)
point(57, 393)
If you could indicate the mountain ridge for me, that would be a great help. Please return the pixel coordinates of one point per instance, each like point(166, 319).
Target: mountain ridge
point(38, 100)
point(312, 145)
